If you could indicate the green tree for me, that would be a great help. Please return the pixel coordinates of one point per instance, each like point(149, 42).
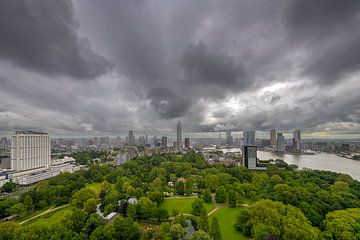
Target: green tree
point(215, 229)
point(74, 219)
point(18, 209)
point(206, 196)
point(343, 224)
point(203, 223)
point(90, 205)
point(220, 195)
point(122, 228)
point(93, 222)
point(28, 203)
point(131, 211)
point(242, 221)
point(8, 230)
point(80, 197)
point(177, 231)
point(197, 206)
point(200, 235)
point(8, 187)
point(232, 198)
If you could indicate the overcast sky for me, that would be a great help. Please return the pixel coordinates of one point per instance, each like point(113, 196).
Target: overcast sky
point(108, 66)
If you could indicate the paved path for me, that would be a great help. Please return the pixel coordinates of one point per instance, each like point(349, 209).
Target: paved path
point(47, 211)
point(217, 207)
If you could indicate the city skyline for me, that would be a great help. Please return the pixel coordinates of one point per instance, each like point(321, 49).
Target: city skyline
point(79, 70)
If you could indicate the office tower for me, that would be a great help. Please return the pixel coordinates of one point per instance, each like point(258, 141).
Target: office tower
point(179, 136)
point(280, 143)
point(164, 142)
point(249, 138)
point(131, 139)
point(155, 141)
point(187, 143)
point(249, 151)
point(273, 137)
point(142, 141)
point(297, 141)
point(30, 150)
point(229, 138)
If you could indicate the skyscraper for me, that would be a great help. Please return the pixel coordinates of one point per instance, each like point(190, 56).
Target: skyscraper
point(249, 151)
point(296, 141)
point(179, 136)
point(280, 143)
point(164, 142)
point(249, 138)
point(229, 138)
point(131, 138)
point(30, 150)
point(187, 143)
point(273, 137)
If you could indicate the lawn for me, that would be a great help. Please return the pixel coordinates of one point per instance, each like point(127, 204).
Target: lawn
point(49, 218)
point(95, 187)
point(227, 217)
point(183, 204)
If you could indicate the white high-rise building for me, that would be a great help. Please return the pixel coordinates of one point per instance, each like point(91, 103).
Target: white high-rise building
point(273, 137)
point(30, 150)
point(179, 136)
point(280, 143)
point(249, 138)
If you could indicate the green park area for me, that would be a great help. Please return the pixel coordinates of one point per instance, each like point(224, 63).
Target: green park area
point(227, 218)
point(183, 204)
point(95, 187)
point(49, 218)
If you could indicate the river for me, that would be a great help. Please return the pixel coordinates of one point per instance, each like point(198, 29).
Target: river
point(320, 161)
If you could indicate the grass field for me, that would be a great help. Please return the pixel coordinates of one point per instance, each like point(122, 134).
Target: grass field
point(183, 204)
point(95, 187)
point(49, 218)
point(227, 218)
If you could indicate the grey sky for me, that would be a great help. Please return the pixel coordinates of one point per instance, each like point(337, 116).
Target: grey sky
point(110, 66)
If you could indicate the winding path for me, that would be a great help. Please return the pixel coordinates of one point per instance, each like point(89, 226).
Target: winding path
point(47, 211)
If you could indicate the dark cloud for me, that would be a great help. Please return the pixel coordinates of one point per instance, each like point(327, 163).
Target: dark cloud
point(213, 65)
point(329, 33)
point(41, 36)
point(205, 68)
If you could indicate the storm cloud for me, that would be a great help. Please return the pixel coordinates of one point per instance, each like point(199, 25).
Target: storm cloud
point(91, 67)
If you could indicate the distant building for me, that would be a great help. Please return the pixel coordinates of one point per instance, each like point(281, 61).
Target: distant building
point(297, 141)
point(229, 138)
point(179, 136)
point(164, 142)
point(265, 142)
point(30, 150)
point(131, 138)
point(280, 143)
point(273, 137)
point(187, 143)
point(249, 151)
point(249, 138)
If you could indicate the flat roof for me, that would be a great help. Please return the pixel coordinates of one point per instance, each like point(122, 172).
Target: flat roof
point(30, 132)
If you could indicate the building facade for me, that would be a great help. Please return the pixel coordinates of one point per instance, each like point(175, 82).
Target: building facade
point(30, 150)
point(297, 141)
point(280, 143)
point(164, 142)
point(179, 136)
point(249, 138)
point(187, 143)
point(273, 137)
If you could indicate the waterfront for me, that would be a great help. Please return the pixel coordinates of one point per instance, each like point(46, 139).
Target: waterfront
point(321, 161)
